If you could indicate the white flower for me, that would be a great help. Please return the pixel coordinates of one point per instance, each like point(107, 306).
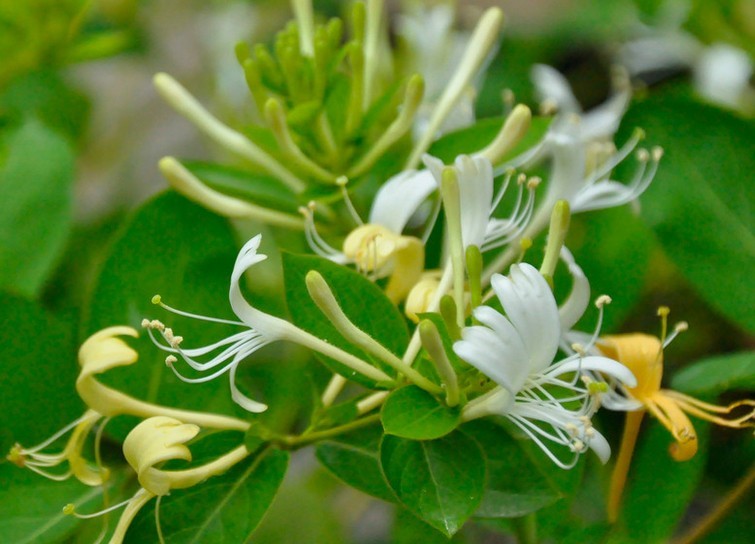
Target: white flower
point(599, 123)
point(478, 202)
point(258, 330)
point(378, 248)
point(517, 350)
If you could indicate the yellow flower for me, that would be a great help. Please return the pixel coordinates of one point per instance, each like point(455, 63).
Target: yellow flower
point(643, 355)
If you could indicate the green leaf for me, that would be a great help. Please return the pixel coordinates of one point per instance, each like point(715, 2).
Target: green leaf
point(35, 208)
point(224, 510)
point(658, 487)
point(515, 485)
point(440, 481)
point(363, 302)
point(46, 96)
point(259, 189)
point(411, 412)
point(185, 253)
point(39, 369)
point(355, 459)
point(33, 506)
point(715, 375)
point(613, 248)
point(479, 135)
point(700, 204)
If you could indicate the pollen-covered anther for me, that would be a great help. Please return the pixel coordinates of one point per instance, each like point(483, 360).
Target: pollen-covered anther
point(16, 455)
point(145, 323)
point(170, 360)
point(580, 349)
point(533, 182)
point(176, 341)
point(602, 300)
point(577, 446)
point(681, 326)
point(521, 179)
point(643, 155)
point(572, 429)
point(548, 107)
point(657, 153)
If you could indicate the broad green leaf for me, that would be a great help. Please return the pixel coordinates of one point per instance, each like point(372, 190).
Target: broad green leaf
point(184, 253)
point(363, 302)
point(717, 374)
point(515, 485)
point(224, 509)
point(658, 487)
point(39, 369)
point(355, 459)
point(613, 248)
point(700, 204)
point(479, 135)
point(259, 189)
point(440, 481)
point(46, 96)
point(36, 172)
point(32, 511)
point(411, 412)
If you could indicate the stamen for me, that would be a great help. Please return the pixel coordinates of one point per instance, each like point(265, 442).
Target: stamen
point(342, 181)
point(70, 510)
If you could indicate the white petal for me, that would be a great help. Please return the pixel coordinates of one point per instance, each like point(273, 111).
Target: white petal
point(576, 303)
point(600, 446)
point(242, 400)
point(550, 84)
point(400, 197)
point(602, 195)
point(267, 325)
point(476, 195)
point(529, 305)
point(595, 363)
point(603, 121)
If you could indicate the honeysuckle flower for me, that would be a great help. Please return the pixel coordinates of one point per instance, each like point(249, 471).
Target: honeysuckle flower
point(643, 355)
point(150, 444)
point(478, 201)
point(548, 401)
point(378, 248)
point(37, 460)
point(599, 123)
point(435, 48)
point(99, 353)
point(259, 329)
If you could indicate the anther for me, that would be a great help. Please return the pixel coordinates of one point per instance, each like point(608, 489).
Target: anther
point(643, 155)
point(580, 349)
point(533, 182)
point(657, 153)
point(170, 359)
point(602, 300)
point(145, 323)
point(521, 178)
point(681, 326)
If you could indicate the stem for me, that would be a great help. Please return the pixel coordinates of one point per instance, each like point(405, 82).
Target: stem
point(309, 438)
point(620, 471)
point(719, 512)
point(526, 529)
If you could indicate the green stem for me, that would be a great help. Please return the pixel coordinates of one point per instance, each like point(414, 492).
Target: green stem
point(293, 441)
point(526, 529)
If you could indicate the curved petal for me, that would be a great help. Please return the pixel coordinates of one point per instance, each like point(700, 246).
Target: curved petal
point(269, 326)
point(576, 303)
point(603, 121)
point(496, 350)
point(476, 197)
point(599, 445)
point(550, 84)
point(530, 307)
point(596, 363)
point(400, 198)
